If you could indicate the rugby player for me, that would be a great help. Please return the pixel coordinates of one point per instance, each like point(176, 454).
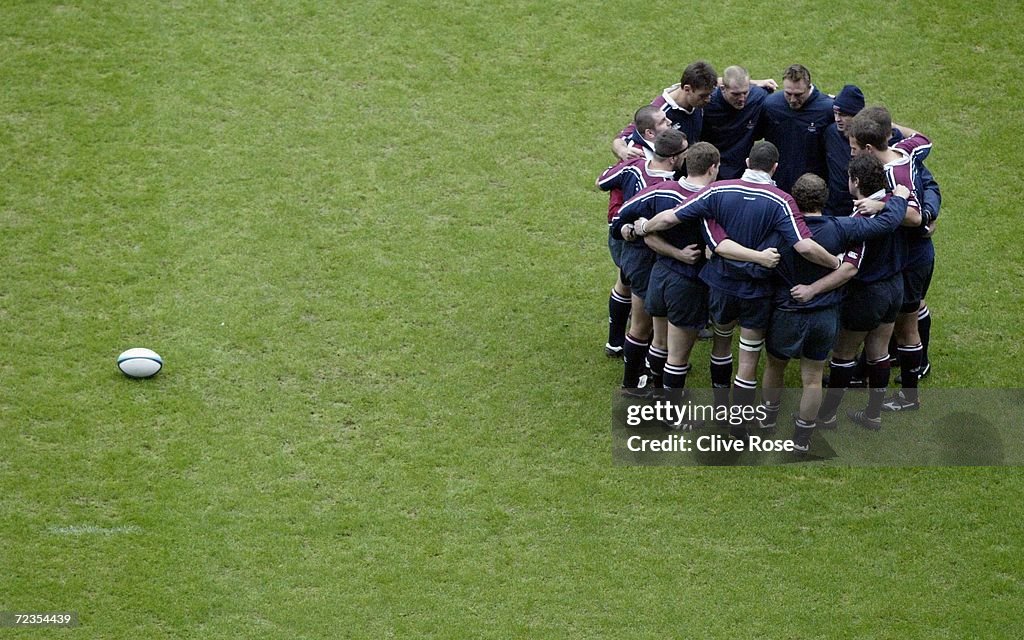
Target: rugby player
point(731, 117)
point(682, 104)
point(622, 181)
point(795, 121)
point(869, 133)
point(805, 318)
point(757, 215)
point(871, 302)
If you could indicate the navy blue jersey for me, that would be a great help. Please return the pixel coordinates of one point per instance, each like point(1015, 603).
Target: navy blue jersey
point(689, 121)
point(732, 130)
point(906, 171)
point(661, 197)
point(627, 178)
point(837, 158)
point(837, 235)
point(753, 213)
point(684, 234)
point(799, 135)
point(883, 256)
point(637, 140)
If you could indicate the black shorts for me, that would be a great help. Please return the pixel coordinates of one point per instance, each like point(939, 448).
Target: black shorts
point(802, 334)
point(637, 262)
point(670, 294)
point(752, 313)
point(865, 306)
point(915, 285)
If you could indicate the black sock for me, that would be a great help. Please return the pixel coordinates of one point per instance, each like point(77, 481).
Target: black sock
point(675, 375)
point(721, 370)
point(840, 372)
point(743, 394)
point(721, 375)
point(619, 307)
point(924, 327)
point(771, 412)
point(878, 380)
point(633, 354)
point(656, 364)
point(910, 363)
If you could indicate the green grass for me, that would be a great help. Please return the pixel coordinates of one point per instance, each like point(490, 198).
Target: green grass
point(365, 240)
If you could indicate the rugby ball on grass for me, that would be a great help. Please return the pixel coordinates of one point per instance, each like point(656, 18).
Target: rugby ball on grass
point(140, 363)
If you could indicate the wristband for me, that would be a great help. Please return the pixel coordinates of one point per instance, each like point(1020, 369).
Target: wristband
point(640, 229)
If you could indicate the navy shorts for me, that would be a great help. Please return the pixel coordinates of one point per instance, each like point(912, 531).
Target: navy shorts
point(637, 262)
point(752, 313)
point(803, 334)
point(916, 280)
point(670, 294)
point(615, 248)
point(866, 306)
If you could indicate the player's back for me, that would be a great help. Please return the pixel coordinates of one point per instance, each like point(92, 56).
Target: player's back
point(794, 269)
point(884, 256)
point(753, 212)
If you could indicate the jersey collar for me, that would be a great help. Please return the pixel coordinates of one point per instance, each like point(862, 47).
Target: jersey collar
point(760, 177)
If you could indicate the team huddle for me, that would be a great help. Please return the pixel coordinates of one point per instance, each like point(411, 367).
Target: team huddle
point(804, 220)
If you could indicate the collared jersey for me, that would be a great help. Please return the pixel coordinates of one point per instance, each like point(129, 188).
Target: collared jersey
point(798, 134)
point(626, 179)
point(886, 255)
point(837, 235)
point(754, 213)
point(907, 170)
point(732, 130)
point(668, 195)
point(689, 121)
point(637, 140)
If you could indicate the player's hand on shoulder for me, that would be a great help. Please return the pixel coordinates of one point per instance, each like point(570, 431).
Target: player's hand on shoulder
point(632, 153)
point(768, 84)
point(901, 191)
point(867, 206)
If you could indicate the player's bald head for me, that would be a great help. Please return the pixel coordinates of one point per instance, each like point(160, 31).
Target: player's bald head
point(735, 75)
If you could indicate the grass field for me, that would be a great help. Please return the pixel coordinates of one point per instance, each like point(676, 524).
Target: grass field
point(365, 240)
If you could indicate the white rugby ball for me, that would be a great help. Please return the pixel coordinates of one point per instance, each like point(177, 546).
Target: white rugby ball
point(140, 363)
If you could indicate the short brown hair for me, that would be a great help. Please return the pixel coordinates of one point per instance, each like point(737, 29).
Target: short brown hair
point(810, 193)
point(644, 118)
point(796, 73)
point(699, 75)
point(879, 114)
point(866, 130)
point(869, 172)
point(700, 157)
point(670, 142)
point(763, 156)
